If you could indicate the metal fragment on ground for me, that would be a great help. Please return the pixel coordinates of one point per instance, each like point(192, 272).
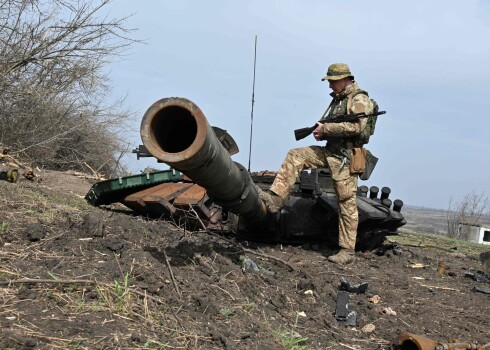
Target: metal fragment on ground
point(342, 312)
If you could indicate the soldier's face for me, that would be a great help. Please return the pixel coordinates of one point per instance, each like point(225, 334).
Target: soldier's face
point(338, 85)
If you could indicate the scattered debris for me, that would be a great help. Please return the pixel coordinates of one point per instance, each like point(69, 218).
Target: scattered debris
point(29, 174)
point(437, 287)
point(249, 264)
point(359, 288)
point(479, 276)
point(375, 299)
point(342, 312)
point(481, 290)
point(410, 341)
point(388, 311)
point(429, 246)
point(10, 175)
point(369, 328)
point(203, 314)
point(397, 251)
point(441, 269)
point(10, 166)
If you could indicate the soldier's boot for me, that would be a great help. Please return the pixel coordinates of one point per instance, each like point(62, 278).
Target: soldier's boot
point(272, 201)
point(343, 257)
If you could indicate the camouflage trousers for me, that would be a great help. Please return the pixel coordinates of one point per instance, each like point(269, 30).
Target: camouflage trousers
point(344, 183)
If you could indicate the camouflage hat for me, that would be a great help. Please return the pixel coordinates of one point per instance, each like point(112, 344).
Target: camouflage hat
point(338, 71)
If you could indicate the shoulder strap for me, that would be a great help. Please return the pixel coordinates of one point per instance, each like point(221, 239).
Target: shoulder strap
point(325, 114)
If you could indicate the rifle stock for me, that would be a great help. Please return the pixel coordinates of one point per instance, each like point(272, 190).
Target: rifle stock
point(300, 134)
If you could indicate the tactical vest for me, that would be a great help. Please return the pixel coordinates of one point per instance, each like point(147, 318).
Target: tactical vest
point(343, 106)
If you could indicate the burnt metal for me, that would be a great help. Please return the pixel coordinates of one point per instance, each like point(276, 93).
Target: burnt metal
point(176, 132)
point(481, 290)
point(342, 312)
point(479, 276)
point(115, 190)
point(410, 341)
point(358, 288)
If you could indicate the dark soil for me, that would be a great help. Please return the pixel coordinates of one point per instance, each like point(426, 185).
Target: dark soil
point(77, 277)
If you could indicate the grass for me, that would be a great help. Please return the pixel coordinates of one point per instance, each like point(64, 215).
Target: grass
point(115, 302)
point(4, 228)
point(227, 311)
point(33, 204)
point(291, 340)
point(450, 244)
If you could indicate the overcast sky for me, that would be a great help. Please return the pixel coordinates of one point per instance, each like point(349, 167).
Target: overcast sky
point(425, 62)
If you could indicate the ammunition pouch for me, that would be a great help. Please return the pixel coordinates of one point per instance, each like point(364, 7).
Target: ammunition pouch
point(371, 161)
point(358, 161)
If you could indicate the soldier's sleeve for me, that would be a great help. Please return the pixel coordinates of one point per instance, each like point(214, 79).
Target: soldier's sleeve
point(360, 103)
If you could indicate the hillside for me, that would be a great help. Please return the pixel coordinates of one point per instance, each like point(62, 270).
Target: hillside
point(78, 277)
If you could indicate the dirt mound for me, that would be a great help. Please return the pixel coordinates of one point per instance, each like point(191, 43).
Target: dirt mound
point(78, 277)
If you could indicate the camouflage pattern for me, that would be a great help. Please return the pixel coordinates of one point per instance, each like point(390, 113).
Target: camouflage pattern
point(339, 136)
point(343, 135)
point(338, 71)
point(345, 185)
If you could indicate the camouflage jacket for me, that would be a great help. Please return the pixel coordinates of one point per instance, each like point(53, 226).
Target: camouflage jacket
point(343, 135)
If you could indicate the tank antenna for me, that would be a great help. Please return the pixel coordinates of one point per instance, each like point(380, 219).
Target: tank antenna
point(252, 113)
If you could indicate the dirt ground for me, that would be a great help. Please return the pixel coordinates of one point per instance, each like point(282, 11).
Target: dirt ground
point(78, 277)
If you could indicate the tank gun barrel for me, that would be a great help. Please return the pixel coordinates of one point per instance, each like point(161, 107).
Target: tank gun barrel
point(176, 132)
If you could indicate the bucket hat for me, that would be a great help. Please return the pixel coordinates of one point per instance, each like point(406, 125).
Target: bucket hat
point(338, 71)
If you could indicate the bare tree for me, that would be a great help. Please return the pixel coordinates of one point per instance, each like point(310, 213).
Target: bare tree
point(469, 211)
point(53, 87)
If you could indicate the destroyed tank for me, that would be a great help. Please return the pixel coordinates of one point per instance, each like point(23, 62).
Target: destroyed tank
point(205, 189)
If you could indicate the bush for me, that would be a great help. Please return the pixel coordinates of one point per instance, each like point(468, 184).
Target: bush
point(53, 90)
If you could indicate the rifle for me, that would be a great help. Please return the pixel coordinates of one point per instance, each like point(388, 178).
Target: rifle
point(300, 134)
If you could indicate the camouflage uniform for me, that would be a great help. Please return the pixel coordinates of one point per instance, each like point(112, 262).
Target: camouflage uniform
point(339, 136)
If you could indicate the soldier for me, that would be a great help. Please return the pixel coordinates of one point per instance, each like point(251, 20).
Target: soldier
point(341, 138)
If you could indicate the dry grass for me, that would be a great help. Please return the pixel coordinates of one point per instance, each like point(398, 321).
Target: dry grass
point(409, 237)
point(69, 300)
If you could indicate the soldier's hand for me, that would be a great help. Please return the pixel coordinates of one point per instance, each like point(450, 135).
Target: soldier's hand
point(318, 132)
